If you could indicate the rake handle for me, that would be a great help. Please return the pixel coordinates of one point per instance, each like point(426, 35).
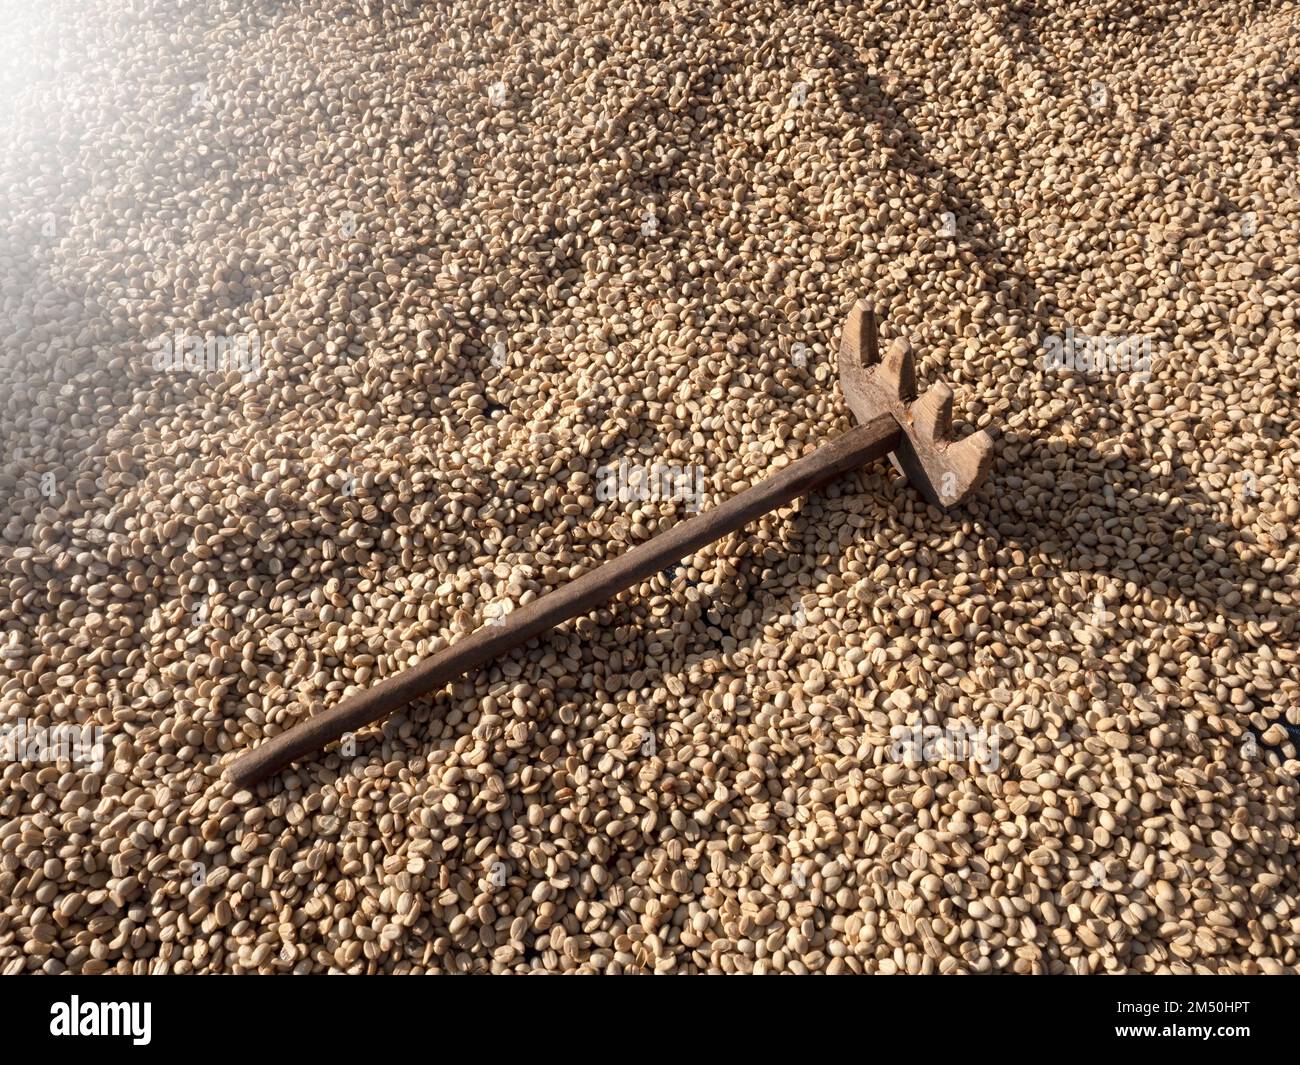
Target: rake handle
point(855, 448)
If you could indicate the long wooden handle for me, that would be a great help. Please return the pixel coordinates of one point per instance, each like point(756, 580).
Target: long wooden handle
point(581, 595)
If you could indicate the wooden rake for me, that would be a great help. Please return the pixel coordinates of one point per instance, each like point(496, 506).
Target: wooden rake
point(915, 433)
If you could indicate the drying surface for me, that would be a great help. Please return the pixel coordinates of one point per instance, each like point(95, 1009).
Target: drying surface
point(456, 261)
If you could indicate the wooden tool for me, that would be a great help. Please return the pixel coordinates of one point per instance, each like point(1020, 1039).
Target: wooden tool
point(915, 433)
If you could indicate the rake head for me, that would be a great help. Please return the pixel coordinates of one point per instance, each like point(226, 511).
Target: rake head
point(944, 470)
